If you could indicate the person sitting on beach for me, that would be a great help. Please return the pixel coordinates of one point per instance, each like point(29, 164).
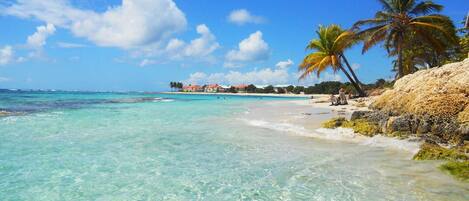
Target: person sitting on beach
point(350, 95)
point(333, 100)
point(342, 97)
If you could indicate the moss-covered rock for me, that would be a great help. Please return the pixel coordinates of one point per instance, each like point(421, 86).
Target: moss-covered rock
point(400, 134)
point(459, 169)
point(430, 151)
point(362, 126)
point(334, 123)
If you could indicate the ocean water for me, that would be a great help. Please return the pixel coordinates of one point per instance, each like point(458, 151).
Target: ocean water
point(136, 146)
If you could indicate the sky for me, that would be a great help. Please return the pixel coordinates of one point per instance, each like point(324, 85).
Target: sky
point(142, 45)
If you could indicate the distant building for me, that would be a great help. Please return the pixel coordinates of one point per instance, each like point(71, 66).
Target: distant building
point(212, 88)
point(241, 88)
point(193, 88)
point(224, 88)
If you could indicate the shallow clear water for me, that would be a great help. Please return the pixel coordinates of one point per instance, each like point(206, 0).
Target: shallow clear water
point(133, 146)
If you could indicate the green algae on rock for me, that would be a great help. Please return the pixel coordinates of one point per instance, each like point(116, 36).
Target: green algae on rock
point(334, 122)
point(429, 151)
point(362, 126)
point(459, 169)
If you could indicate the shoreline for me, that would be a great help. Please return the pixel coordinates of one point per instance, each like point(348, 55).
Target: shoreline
point(250, 94)
point(305, 118)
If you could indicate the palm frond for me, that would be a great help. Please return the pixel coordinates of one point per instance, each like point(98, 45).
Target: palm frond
point(375, 38)
point(423, 25)
point(426, 7)
point(386, 5)
point(369, 22)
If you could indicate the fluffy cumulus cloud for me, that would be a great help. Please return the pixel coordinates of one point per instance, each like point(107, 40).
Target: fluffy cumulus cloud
point(262, 76)
point(6, 55)
point(200, 47)
point(38, 38)
point(242, 16)
point(253, 48)
point(278, 75)
point(133, 23)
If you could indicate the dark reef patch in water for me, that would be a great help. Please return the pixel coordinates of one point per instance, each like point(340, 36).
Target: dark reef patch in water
point(20, 106)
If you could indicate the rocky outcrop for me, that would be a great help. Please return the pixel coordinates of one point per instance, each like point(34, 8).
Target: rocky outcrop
point(437, 92)
point(432, 104)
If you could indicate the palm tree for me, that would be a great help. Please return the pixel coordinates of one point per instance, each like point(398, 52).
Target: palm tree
point(402, 23)
point(329, 49)
point(172, 85)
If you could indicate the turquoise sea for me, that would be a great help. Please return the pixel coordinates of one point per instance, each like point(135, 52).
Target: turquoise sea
point(138, 146)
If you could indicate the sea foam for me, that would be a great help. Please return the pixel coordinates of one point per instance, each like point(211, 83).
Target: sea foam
point(340, 134)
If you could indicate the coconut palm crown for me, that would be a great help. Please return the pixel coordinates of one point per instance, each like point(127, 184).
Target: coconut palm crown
point(402, 23)
point(328, 52)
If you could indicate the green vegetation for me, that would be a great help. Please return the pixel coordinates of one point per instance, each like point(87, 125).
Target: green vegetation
point(410, 30)
point(459, 169)
point(176, 85)
point(430, 151)
point(251, 88)
point(329, 50)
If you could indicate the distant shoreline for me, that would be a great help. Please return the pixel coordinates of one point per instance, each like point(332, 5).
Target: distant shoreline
point(250, 94)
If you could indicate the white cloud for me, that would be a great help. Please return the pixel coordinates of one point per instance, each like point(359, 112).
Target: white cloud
point(132, 24)
point(70, 45)
point(4, 79)
point(313, 79)
point(242, 16)
point(278, 75)
point(355, 66)
point(197, 78)
point(6, 55)
point(38, 38)
point(146, 62)
point(199, 47)
point(253, 48)
point(284, 64)
point(263, 76)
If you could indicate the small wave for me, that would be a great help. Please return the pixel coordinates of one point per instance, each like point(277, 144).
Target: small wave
point(340, 134)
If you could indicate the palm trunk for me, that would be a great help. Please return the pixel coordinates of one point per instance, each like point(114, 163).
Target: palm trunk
point(352, 72)
point(400, 69)
point(361, 93)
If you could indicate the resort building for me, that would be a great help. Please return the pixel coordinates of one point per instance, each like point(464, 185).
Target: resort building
point(241, 88)
point(212, 88)
point(224, 88)
point(193, 88)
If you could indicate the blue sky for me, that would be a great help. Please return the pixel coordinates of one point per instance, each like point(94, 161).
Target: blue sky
point(142, 45)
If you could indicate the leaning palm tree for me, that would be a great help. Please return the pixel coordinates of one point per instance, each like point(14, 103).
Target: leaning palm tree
point(329, 52)
point(405, 22)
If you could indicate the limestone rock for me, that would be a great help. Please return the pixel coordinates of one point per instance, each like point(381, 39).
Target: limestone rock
point(441, 92)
